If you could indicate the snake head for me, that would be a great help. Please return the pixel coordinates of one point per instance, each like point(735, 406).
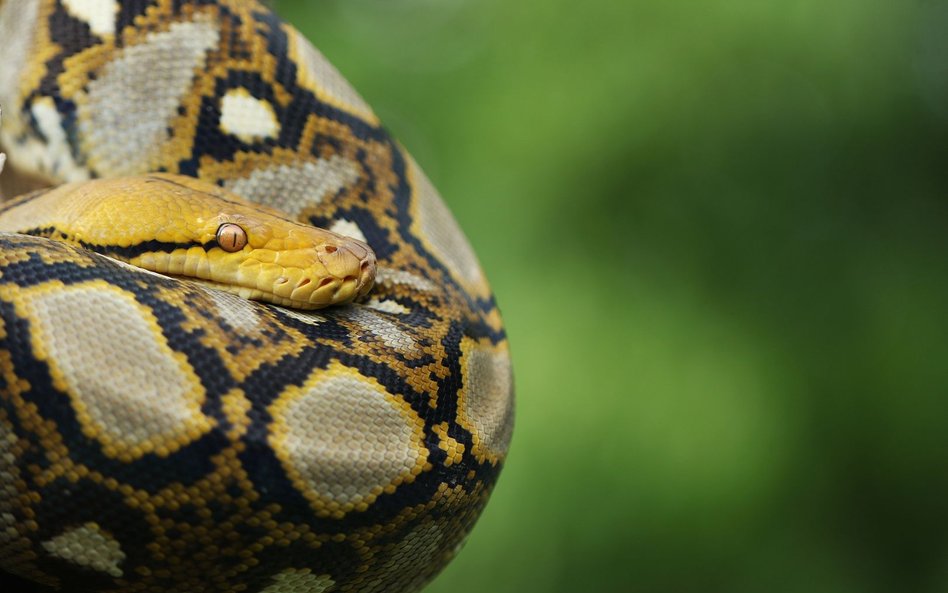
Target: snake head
point(248, 249)
point(270, 258)
point(186, 228)
point(255, 251)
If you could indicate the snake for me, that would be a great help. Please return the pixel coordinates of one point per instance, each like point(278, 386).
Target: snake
point(244, 344)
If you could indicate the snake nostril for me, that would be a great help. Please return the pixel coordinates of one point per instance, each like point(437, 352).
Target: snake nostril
point(330, 249)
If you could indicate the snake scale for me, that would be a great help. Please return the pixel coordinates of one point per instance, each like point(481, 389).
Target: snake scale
point(159, 435)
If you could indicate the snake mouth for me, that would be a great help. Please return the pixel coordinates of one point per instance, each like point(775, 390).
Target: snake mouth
point(252, 294)
point(244, 292)
point(321, 296)
point(335, 276)
point(329, 275)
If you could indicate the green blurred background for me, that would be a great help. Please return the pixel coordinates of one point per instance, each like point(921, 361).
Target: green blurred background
point(718, 233)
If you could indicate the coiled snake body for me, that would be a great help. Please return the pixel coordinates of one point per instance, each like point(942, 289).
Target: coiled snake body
point(159, 435)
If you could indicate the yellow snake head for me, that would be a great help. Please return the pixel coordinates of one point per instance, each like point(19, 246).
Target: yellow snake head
point(183, 227)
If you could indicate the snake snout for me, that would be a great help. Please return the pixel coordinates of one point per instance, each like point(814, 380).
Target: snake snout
point(352, 262)
point(367, 274)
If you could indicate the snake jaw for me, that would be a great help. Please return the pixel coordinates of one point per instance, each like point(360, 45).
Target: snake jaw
point(332, 273)
point(302, 266)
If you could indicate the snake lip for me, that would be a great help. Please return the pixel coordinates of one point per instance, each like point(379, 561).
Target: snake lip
point(254, 294)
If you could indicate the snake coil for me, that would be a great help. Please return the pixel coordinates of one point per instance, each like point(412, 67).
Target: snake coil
point(162, 436)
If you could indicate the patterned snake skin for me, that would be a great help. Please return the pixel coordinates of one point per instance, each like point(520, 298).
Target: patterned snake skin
point(161, 436)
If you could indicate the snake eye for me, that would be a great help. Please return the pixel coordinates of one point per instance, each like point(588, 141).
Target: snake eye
point(231, 237)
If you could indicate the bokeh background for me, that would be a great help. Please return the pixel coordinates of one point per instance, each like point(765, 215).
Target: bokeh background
point(718, 231)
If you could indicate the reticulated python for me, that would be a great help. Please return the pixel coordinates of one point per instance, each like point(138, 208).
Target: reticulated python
point(159, 435)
